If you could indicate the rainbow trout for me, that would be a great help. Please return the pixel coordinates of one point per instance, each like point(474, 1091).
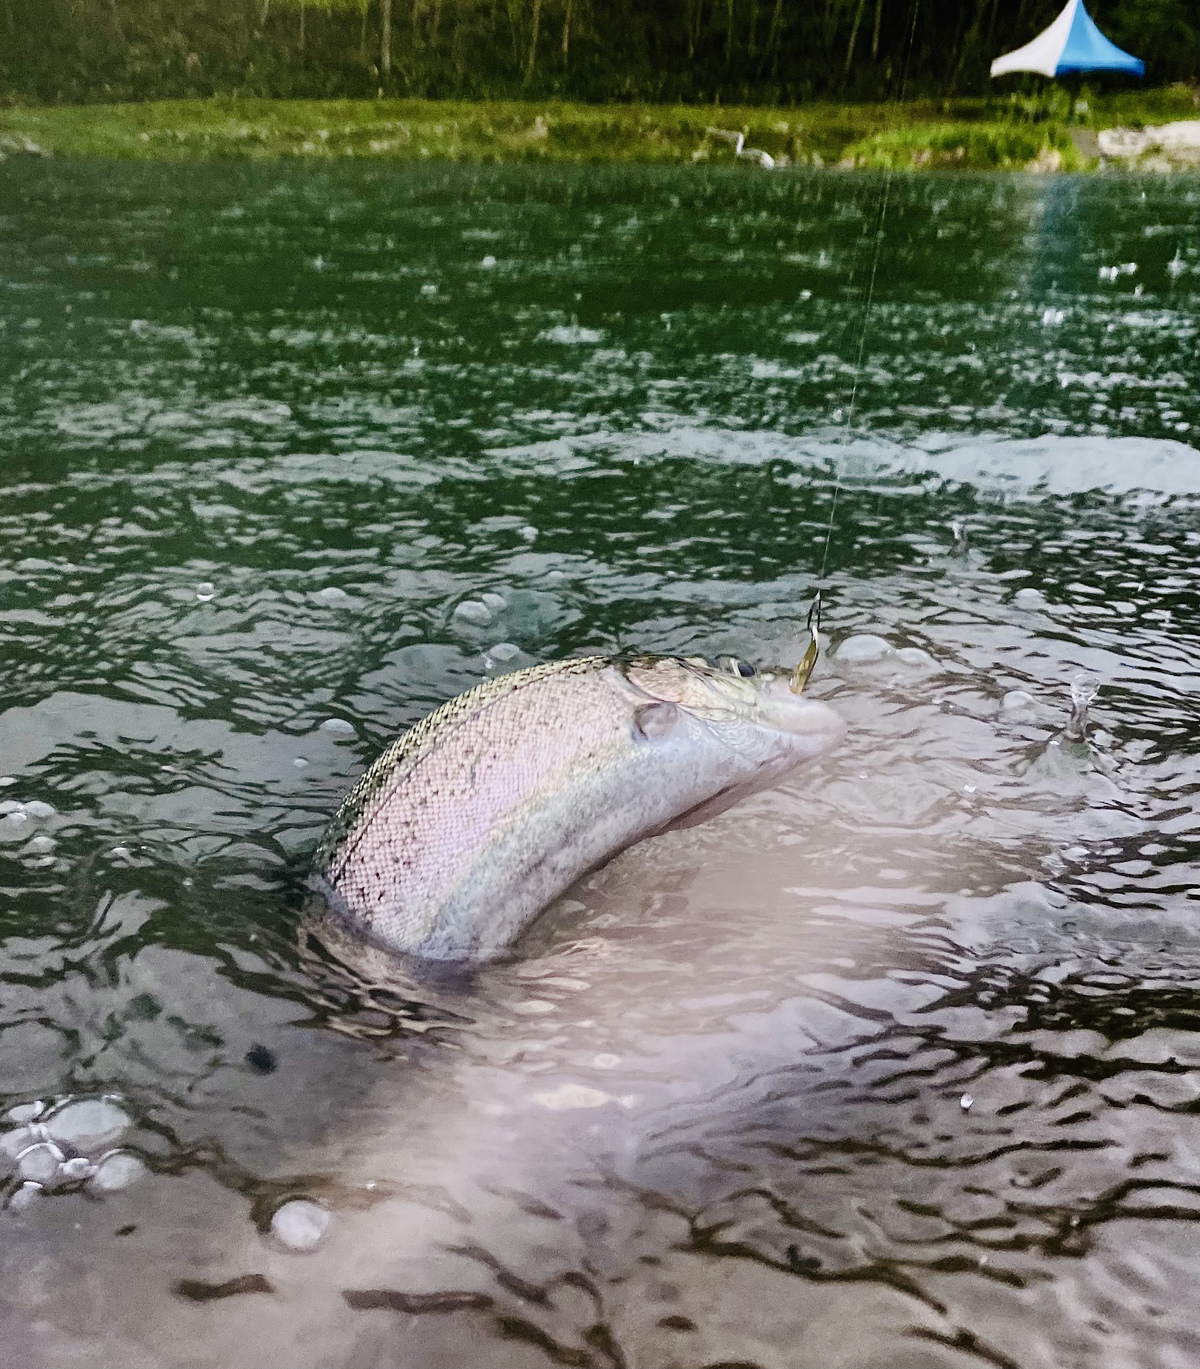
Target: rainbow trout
point(483, 813)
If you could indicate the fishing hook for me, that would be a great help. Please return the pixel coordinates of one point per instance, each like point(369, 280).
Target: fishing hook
point(812, 651)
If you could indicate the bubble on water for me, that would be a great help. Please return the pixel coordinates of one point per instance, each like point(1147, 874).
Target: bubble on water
point(16, 818)
point(26, 1112)
point(121, 852)
point(488, 262)
point(915, 657)
point(37, 808)
point(331, 595)
point(338, 726)
point(115, 1171)
point(429, 288)
point(473, 611)
point(1029, 598)
point(529, 533)
point(1016, 699)
point(504, 651)
point(567, 1097)
point(863, 646)
point(12, 1143)
point(300, 1224)
point(40, 846)
point(88, 1124)
point(78, 1168)
point(300, 763)
point(40, 1162)
point(205, 591)
point(25, 1197)
point(1051, 318)
point(966, 1102)
point(11, 806)
point(494, 601)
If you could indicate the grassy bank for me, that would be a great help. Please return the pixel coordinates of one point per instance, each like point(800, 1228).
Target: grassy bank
point(972, 134)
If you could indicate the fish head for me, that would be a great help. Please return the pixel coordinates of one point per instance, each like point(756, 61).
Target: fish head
point(810, 726)
point(756, 712)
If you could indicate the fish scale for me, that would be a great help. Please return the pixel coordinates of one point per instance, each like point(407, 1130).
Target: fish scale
point(475, 819)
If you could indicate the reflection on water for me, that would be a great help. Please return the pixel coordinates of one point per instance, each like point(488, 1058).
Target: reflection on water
point(896, 1064)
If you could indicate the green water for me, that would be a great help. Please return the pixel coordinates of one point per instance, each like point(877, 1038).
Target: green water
point(896, 1064)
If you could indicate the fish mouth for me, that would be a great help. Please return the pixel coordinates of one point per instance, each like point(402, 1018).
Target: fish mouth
point(782, 711)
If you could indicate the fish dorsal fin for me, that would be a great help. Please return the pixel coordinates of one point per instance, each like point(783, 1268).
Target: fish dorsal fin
point(411, 747)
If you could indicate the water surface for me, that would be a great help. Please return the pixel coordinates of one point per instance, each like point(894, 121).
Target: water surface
point(894, 1065)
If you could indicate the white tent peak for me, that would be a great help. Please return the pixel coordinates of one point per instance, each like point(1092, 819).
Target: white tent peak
point(1071, 43)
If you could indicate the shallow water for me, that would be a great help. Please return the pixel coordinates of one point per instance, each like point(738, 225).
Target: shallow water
point(897, 1064)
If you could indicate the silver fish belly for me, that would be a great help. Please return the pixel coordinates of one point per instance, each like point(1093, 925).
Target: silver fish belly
point(478, 817)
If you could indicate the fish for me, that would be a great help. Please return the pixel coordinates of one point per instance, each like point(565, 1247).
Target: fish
point(472, 822)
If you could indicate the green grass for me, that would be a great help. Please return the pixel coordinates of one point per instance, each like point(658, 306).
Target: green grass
point(991, 146)
point(979, 134)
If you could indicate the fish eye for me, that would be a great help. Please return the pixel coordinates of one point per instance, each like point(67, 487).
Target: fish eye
point(742, 668)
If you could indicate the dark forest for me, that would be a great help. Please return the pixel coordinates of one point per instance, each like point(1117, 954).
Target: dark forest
point(731, 51)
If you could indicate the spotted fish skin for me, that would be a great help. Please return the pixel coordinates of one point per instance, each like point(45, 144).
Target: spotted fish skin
point(469, 824)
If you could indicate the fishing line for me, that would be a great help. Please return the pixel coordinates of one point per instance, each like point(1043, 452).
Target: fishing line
point(804, 669)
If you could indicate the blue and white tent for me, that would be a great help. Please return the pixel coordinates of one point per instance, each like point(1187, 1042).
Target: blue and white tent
point(1071, 43)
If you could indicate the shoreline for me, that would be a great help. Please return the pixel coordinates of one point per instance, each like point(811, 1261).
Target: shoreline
point(978, 135)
